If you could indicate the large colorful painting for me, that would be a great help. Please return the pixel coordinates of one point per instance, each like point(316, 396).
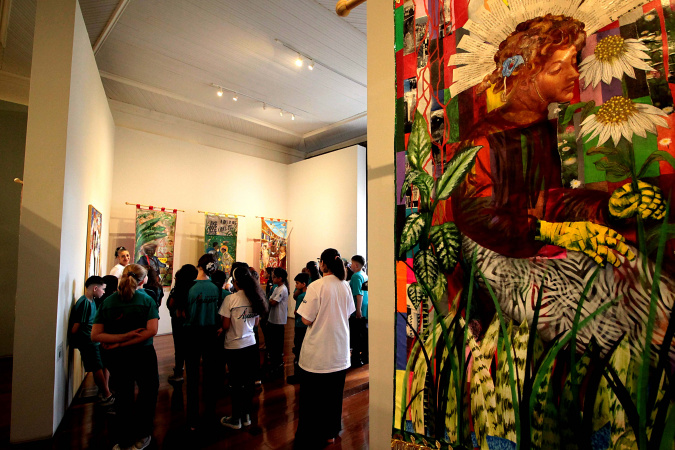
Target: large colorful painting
point(94, 225)
point(155, 232)
point(220, 239)
point(272, 245)
point(535, 249)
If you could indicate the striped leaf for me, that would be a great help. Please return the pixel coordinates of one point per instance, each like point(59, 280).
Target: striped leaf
point(419, 142)
point(417, 295)
point(411, 233)
point(447, 241)
point(425, 267)
point(422, 180)
point(455, 171)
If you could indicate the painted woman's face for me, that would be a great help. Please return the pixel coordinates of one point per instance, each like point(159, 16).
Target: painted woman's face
point(556, 80)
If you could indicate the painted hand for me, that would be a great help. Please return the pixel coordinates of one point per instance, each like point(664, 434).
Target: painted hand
point(596, 241)
point(647, 201)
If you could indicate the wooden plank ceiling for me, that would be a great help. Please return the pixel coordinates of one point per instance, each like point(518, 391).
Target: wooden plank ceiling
point(163, 55)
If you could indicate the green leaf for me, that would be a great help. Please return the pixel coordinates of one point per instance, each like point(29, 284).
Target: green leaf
point(456, 170)
point(658, 155)
point(440, 288)
point(425, 267)
point(447, 241)
point(419, 143)
point(569, 112)
point(411, 233)
point(148, 224)
point(417, 295)
point(602, 151)
point(614, 171)
point(422, 180)
point(587, 110)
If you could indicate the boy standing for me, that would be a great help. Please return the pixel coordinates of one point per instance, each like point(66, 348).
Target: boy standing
point(359, 320)
point(82, 319)
point(301, 282)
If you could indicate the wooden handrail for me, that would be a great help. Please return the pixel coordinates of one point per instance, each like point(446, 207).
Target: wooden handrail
point(344, 7)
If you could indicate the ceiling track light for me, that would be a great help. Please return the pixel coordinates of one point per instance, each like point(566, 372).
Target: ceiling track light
point(281, 113)
point(311, 65)
point(298, 61)
point(292, 116)
point(235, 98)
point(220, 92)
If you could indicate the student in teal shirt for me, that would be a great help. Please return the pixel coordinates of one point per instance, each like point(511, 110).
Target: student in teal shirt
point(301, 283)
point(125, 325)
point(359, 320)
point(202, 326)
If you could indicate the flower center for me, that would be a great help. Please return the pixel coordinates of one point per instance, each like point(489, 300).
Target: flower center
point(609, 48)
point(615, 110)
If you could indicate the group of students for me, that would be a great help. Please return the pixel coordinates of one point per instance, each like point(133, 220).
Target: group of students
point(215, 321)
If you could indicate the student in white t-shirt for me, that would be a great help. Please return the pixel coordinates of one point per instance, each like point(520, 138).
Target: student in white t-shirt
point(324, 358)
point(123, 258)
point(276, 322)
point(241, 312)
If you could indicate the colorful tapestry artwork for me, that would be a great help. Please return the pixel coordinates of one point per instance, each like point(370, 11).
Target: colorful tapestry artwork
point(94, 225)
point(272, 245)
point(535, 272)
point(155, 231)
point(220, 239)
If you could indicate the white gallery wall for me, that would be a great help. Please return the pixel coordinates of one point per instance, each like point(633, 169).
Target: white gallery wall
point(327, 205)
point(69, 152)
point(165, 172)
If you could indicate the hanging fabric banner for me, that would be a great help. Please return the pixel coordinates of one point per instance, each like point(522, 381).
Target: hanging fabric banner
point(220, 239)
point(93, 261)
point(155, 232)
point(272, 245)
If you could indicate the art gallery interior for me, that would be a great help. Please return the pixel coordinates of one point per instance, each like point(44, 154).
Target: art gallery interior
point(111, 102)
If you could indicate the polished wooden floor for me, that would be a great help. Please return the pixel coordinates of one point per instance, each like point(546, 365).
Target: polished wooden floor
point(275, 417)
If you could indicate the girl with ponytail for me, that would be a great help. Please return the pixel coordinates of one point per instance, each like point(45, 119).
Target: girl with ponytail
point(241, 312)
point(324, 356)
point(125, 325)
point(202, 325)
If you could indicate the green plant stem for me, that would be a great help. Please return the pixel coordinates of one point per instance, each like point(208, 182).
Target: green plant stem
point(509, 356)
point(643, 378)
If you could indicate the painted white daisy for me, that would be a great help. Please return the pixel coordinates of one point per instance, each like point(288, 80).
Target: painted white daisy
point(668, 109)
point(566, 149)
point(620, 116)
point(575, 184)
point(570, 161)
point(665, 142)
point(613, 57)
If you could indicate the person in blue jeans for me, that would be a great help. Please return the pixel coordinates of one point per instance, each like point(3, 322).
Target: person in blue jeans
point(358, 322)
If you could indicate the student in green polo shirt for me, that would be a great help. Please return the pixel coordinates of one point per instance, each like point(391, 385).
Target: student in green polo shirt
point(125, 325)
point(359, 320)
point(81, 321)
point(202, 323)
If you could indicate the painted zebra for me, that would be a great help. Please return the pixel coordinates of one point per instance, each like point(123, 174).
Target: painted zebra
point(516, 283)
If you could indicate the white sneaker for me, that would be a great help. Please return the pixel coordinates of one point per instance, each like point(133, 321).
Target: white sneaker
point(143, 443)
point(231, 422)
point(247, 421)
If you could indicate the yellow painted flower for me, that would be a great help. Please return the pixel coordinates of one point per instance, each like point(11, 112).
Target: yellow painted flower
point(613, 57)
point(620, 116)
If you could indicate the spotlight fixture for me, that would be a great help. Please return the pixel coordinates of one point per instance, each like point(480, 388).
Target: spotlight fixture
point(311, 65)
point(292, 116)
point(298, 61)
point(281, 113)
point(235, 98)
point(264, 107)
point(220, 92)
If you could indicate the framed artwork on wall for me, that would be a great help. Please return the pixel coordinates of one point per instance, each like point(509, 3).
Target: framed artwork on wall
point(94, 225)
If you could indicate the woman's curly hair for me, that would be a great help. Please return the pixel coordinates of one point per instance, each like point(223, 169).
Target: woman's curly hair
point(535, 40)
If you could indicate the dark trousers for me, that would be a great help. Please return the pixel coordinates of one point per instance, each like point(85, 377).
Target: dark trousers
point(202, 344)
point(274, 339)
point(242, 364)
point(178, 333)
point(298, 337)
point(135, 365)
point(358, 338)
point(320, 414)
